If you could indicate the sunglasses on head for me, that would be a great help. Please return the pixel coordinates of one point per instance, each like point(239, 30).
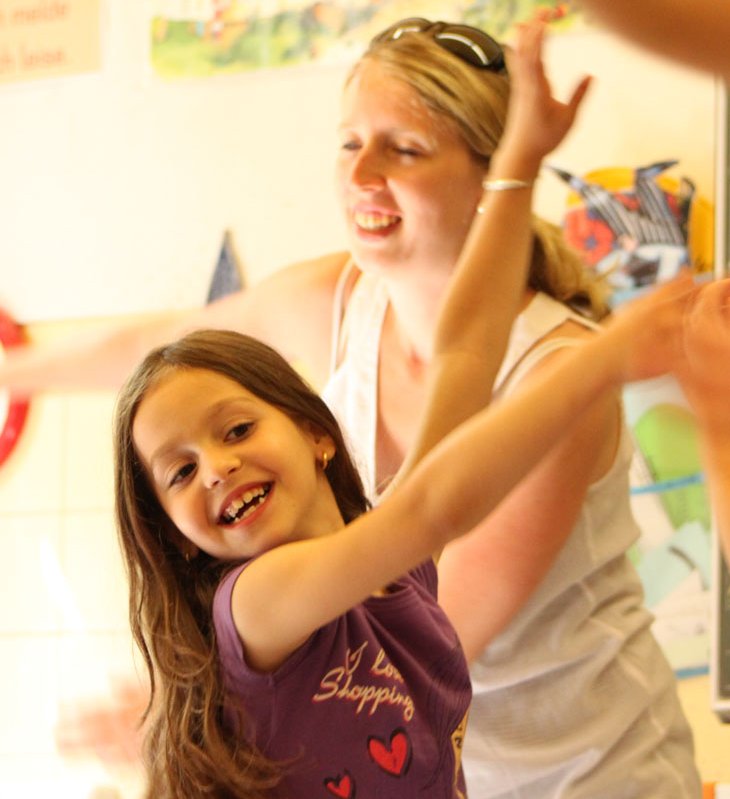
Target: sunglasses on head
point(469, 44)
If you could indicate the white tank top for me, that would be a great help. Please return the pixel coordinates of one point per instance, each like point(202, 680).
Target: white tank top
point(574, 700)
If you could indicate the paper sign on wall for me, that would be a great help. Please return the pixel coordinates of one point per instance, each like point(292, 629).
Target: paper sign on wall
point(48, 38)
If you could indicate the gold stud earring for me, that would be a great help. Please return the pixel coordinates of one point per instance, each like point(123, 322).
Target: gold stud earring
point(325, 461)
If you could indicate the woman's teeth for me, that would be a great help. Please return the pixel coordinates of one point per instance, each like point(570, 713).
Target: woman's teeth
point(370, 221)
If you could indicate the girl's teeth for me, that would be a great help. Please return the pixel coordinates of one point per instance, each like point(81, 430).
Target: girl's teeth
point(233, 510)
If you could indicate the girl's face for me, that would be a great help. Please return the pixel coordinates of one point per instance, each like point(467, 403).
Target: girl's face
point(235, 475)
point(408, 184)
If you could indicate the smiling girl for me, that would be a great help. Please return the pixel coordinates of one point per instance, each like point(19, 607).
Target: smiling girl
point(294, 642)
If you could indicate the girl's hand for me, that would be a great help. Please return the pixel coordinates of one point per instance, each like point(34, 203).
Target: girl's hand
point(646, 335)
point(706, 376)
point(536, 122)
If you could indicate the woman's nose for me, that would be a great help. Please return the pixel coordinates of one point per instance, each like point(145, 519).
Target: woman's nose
point(367, 169)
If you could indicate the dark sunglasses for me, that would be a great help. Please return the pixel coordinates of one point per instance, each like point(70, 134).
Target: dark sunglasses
point(469, 44)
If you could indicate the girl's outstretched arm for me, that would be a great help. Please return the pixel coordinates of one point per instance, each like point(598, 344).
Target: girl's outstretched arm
point(706, 382)
point(456, 484)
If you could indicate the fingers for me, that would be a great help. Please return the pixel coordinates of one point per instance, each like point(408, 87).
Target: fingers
point(526, 52)
point(579, 94)
point(707, 330)
point(549, 14)
point(537, 120)
point(705, 376)
point(714, 300)
point(649, 330)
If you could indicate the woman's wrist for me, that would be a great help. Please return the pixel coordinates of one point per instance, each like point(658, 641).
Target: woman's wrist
point(506, 184)
point(513, 163)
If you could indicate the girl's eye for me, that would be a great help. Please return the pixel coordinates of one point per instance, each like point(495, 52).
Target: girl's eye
point(350, 146)
point(239, 431)
point(182, 473)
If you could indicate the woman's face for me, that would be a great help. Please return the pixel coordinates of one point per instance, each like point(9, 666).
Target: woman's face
point(407, 182)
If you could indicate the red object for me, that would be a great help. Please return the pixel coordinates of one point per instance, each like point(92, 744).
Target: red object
point(11, 335)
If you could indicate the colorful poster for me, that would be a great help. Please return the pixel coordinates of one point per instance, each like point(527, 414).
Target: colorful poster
point(637, 227)
point(194, 38)
point(48, 38)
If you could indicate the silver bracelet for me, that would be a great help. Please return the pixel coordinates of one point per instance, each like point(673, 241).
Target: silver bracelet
point(505, 184)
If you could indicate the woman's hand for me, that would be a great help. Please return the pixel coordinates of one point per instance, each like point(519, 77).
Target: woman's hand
point(536, 122)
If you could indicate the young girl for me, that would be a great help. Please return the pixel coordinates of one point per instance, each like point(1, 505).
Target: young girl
point(293, 641)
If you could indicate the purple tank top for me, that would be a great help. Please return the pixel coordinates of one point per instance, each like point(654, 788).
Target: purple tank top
point(373, 705)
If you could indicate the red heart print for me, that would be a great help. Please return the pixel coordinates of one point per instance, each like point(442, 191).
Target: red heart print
point(394, 758)
point(343, 786)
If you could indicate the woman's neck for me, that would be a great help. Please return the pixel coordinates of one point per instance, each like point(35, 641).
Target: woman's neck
point(414, 310)
point(411, 321)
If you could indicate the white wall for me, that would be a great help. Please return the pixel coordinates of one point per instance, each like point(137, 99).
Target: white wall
point(117, 186)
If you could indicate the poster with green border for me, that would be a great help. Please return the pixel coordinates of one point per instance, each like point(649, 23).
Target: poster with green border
point(637, 227)
point(203, 38)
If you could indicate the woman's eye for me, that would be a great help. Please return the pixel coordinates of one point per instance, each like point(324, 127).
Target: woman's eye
point(410, 151)
point(350, 146)
point(239, 431)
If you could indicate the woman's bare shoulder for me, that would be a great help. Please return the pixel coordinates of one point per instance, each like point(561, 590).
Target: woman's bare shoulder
point(291, 310)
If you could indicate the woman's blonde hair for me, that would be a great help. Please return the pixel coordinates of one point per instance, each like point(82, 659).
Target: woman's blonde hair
point(475, 101)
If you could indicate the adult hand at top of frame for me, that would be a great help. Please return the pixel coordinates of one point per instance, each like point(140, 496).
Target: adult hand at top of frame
point(534, 111)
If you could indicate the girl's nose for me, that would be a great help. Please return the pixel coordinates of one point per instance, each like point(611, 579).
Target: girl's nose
point(217, 467)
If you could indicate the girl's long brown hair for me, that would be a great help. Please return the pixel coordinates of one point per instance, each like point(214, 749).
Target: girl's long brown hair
point(189, 751)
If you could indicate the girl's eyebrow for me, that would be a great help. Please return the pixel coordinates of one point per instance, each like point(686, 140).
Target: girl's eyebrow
point(161, 453)
point(214, 410)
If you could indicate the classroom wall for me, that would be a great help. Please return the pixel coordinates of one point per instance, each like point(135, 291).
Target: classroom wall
point(64, 637)
point(117, 189)
point(118, 185)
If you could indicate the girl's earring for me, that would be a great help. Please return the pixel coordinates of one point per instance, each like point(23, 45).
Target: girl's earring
point(325, 461)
